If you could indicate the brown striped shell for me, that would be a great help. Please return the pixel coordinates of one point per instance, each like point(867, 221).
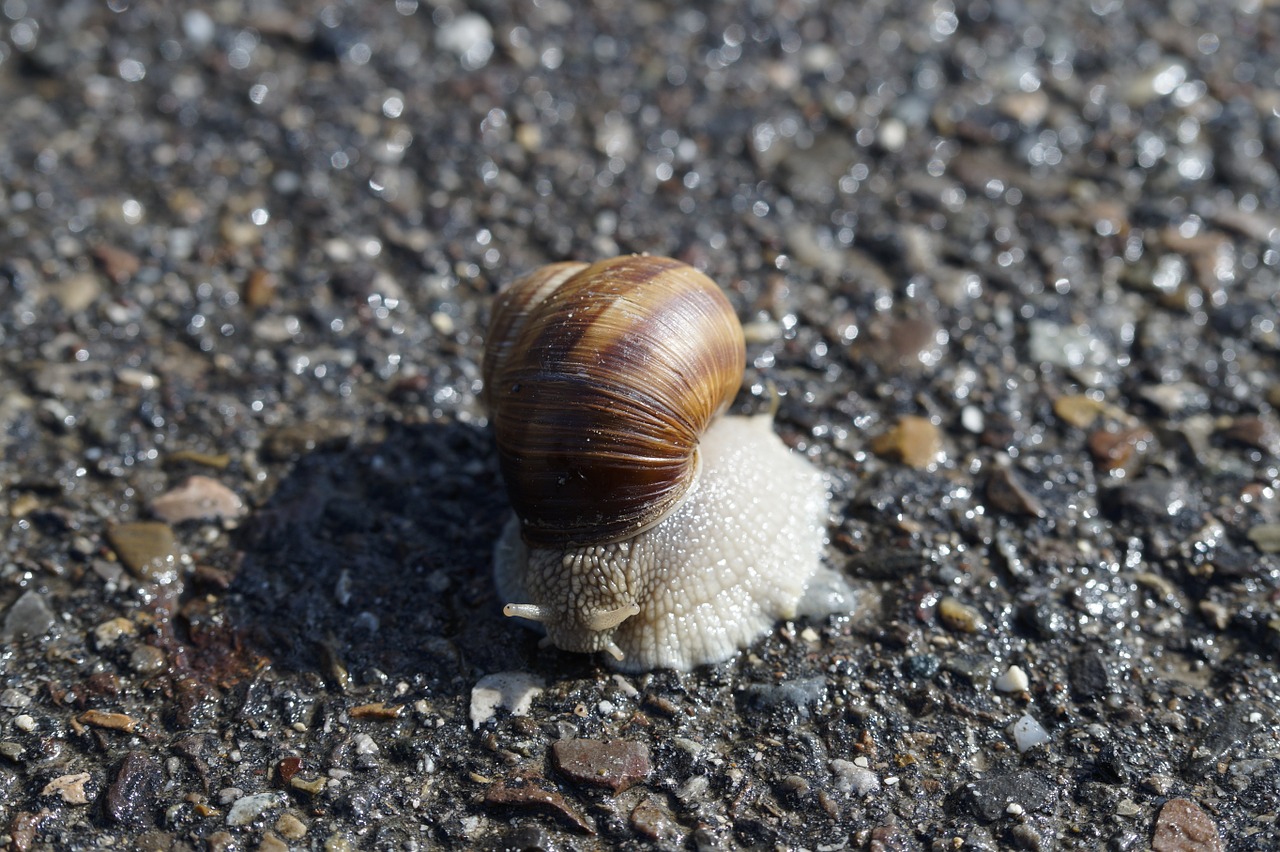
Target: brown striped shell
point(601, 379)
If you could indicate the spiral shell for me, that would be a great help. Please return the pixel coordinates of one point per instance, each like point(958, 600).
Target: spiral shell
point(601, 379)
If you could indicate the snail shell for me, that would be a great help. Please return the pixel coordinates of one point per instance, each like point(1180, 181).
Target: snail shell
point(601, 380)
point(647, 525)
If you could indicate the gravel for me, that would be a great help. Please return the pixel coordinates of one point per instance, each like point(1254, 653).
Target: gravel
point(1013, 269)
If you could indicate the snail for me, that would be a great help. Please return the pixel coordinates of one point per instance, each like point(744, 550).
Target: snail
point(648, 524)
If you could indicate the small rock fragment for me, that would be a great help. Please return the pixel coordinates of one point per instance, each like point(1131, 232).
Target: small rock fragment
point(915, 441)
point(110, 721)
point(1028, 733)
point(888, 838)
point(197, 498)
point(536, 793)
point(260, 288)
point(28, 616)
point(147, 548)
point(1182, 826)
point(117, 264)
point(131, 796)
point(652, 821)
point(1013, 680)
point(246, 809)
point(616, 766)
point(1254, 432)
point(112, 631)
point(1265, 537)
point(852, 778)
point(377, 710)
point(1089, 676)
point(147, 660)
point(1078, 410)
point(290, 827)
point(1007, 494)
point(70, 788)
point(470, 36)
point(513, 691)
point(1119, 451)
point(799, 694)
point(989, 798)
point(270, 842)
point(959, 616)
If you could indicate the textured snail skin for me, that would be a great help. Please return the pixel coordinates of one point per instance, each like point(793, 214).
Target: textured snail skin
point(736, 556)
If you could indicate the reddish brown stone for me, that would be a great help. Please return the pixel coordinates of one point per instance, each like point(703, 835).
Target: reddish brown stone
point(116, 263)
point(1182, 826)
point(1119, 450)
point(288, 767)
point(536, 793)
point(616, 766)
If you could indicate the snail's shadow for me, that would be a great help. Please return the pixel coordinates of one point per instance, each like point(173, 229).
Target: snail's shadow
point(372, 561)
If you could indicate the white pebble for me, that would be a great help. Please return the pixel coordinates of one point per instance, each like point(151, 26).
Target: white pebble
point(248, 808)
point(365, 744)
point(514, 691)
point(851, 778)
point(1028, 733)
point(469, 36)
point(25, 723)
point(1013, 680)
point(972, 419)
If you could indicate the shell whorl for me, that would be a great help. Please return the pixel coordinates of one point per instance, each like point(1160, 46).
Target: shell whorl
point(601, 380)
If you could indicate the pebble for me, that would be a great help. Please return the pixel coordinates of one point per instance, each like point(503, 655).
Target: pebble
point(512, 691)
point(1120, 451)
point(69, 788)
point(1176, 397)
point(1183, 826)
point(117, 264)
point(14, 699)
point(1253, 432)
point(147, 660)
point(616, 766)
point(1088, 676)
point(470, 37)
point(1006, 493)
point(260, 288)
point(537, 793)
point(130, 799)
point(654, 822)
point(1073, 347)
point(246, 809)
point(800, 694)
point(989, 798)
point(1028, 733)
point(1265, 537)
point(852, 778)
point(1078, 410)
point(109, 721)
point(915, 441)
point(290, 827)
point(270, 842)
point(1014, 679)
point(112, 631)
point(959, 616)
point(147, 548)
point(29, 615)
point(197, 498)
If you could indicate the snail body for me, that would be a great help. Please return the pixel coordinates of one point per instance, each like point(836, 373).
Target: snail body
point(647, 524)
